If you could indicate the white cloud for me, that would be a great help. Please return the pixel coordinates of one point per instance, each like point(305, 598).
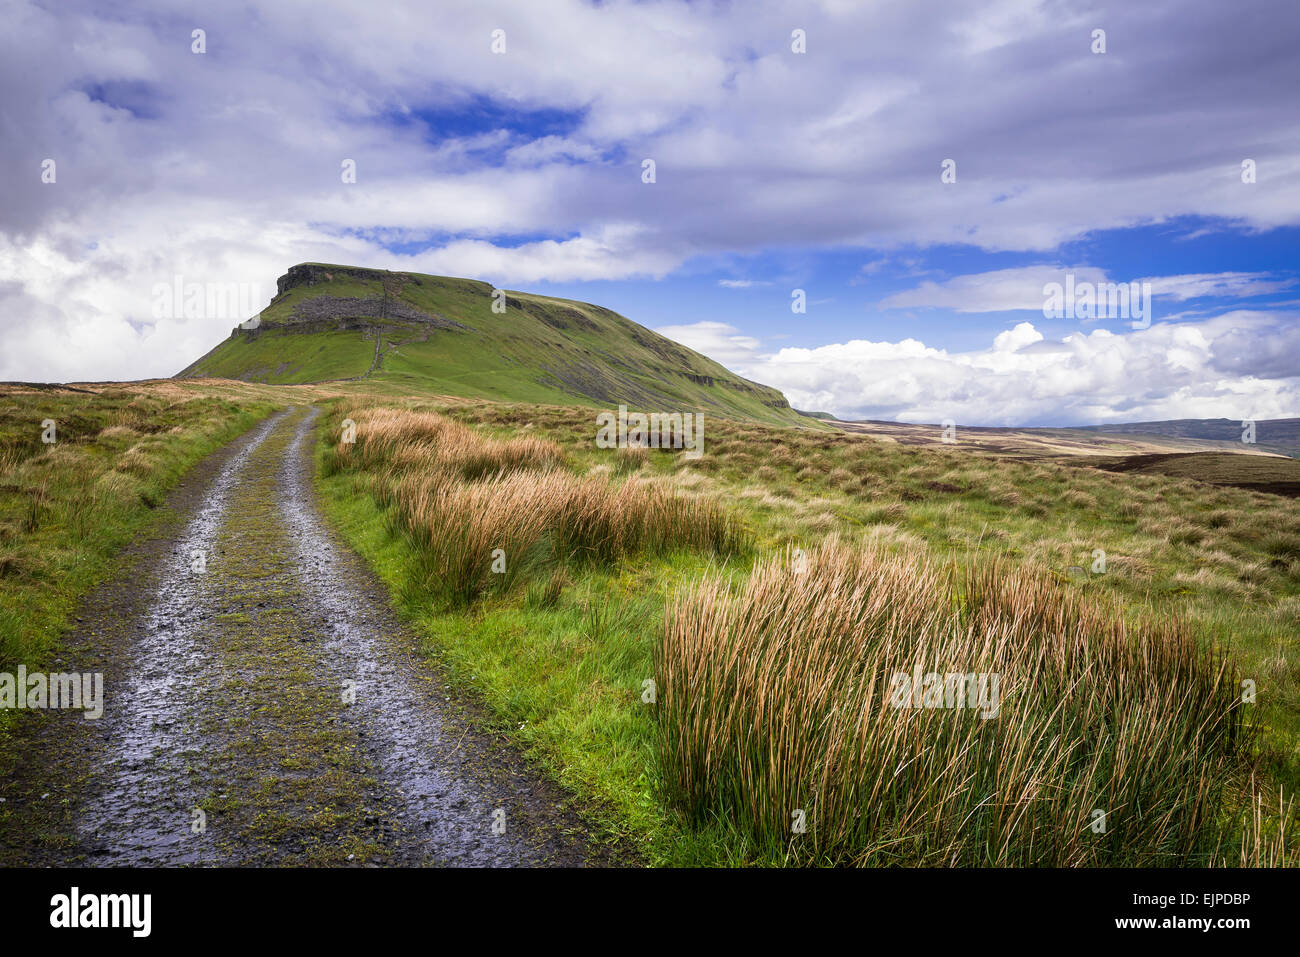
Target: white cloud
point(1022, 288)
point(1227, 284)
point(1012, 340)
point(717, 340)
point(1241, 365)
point(997, 291)
point(227, 164)
point(609, 252)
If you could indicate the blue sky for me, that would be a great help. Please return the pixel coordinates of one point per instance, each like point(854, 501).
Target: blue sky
point(776, 170)
point(851, 298)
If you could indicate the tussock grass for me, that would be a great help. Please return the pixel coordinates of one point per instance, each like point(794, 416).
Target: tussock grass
point(777, 699)
point(409, 440)
point(630, 458)
point(473, 503)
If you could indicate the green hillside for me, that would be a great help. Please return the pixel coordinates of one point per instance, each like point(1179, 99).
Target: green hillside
point(440, 334)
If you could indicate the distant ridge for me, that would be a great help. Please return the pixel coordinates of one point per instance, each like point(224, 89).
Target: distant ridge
point(1271, 435)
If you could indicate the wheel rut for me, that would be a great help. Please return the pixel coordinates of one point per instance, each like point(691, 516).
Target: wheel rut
point(264, 705)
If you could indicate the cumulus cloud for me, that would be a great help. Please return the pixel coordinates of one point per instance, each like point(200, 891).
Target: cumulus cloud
point(226, 165)
point(1244, 364)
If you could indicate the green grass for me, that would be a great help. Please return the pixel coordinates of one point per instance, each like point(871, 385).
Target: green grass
point(779, 700)
point(572, 697)
point(279, 357)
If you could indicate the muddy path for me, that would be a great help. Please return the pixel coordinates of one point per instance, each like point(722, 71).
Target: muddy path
point(265, 706)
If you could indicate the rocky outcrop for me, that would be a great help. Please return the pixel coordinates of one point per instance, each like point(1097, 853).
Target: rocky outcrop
point(555, 316)
point(705, 380)
point(309, 274)
point(324, 308)
point(315, 312)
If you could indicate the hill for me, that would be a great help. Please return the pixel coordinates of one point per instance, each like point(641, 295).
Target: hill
point(1271, 435)
point(1274, 474)
point(461, 337)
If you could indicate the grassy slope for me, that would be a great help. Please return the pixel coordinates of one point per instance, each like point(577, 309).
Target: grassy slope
point(1218, 468)
point(540, 350)
point(1273, 435)
point(565, 680)
point(281, 359)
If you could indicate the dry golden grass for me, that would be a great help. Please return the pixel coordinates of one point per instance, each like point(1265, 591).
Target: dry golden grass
point(473, 503)
point(776, 700)
point(426, 441)
point(1265, 841)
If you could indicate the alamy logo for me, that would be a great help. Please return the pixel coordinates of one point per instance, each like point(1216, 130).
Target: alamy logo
point(103, 910)
point(954, 689)
point(84, 692)
point(1099, 300)
point(206, 300)
point(656, 430)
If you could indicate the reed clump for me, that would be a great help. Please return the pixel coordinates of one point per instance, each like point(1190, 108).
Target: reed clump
point(779, 706)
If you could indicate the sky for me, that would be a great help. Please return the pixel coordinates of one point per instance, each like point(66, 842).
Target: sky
point(914, 176)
